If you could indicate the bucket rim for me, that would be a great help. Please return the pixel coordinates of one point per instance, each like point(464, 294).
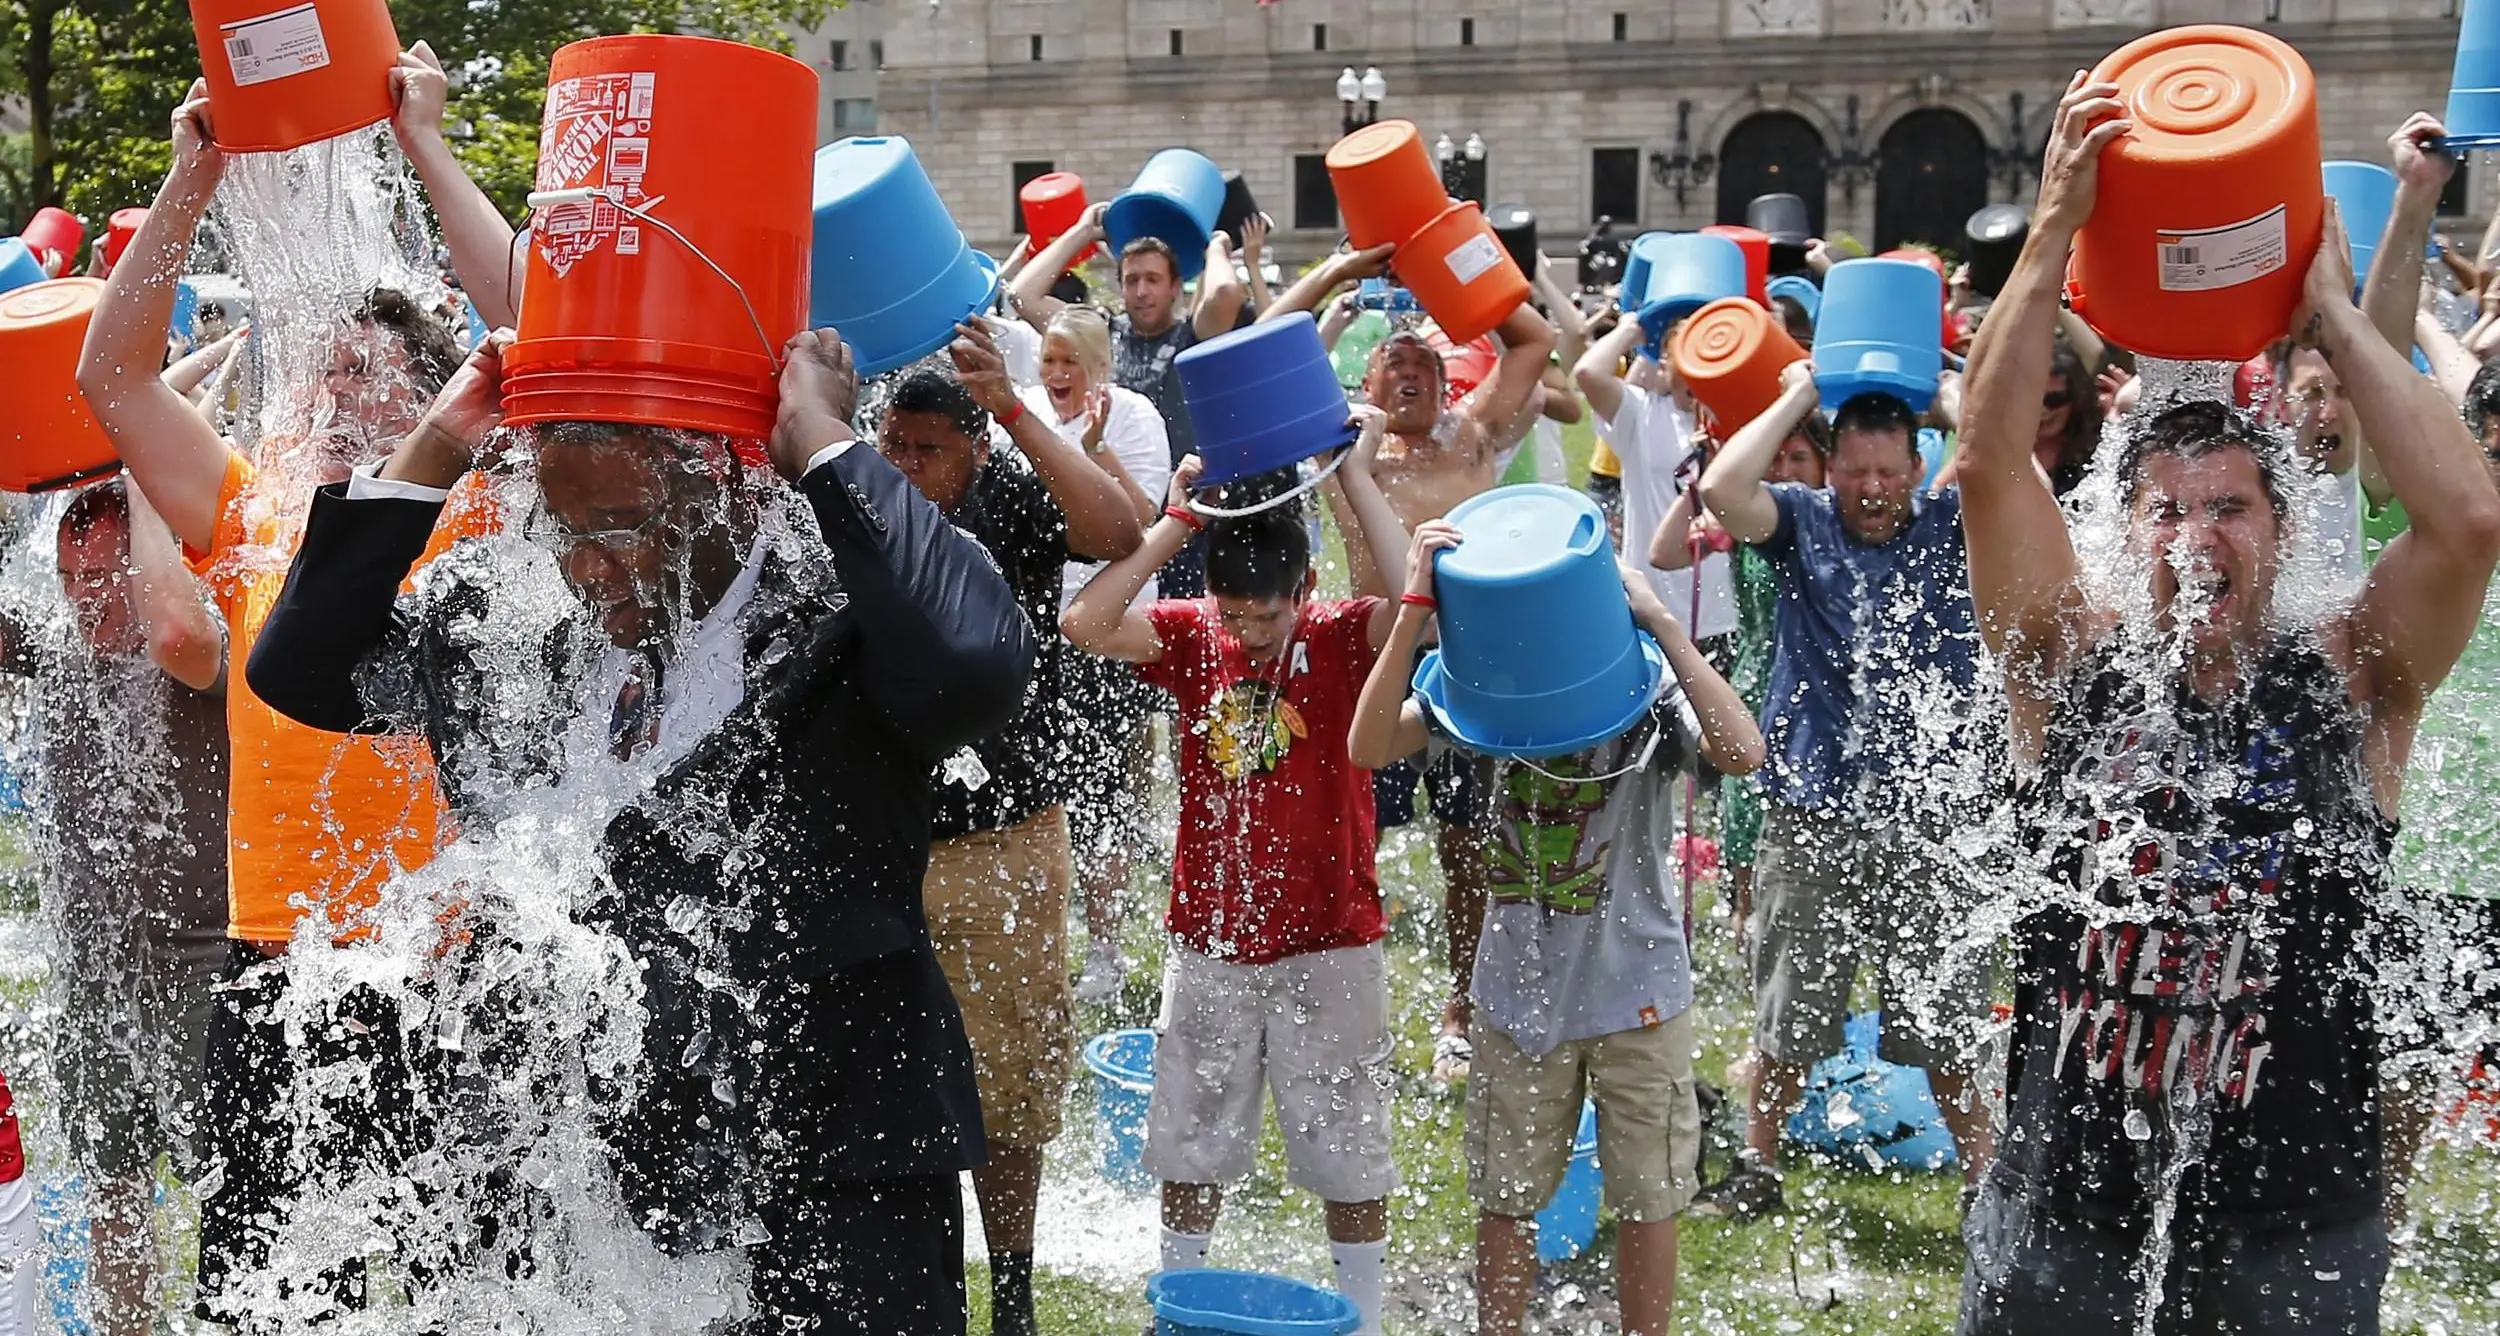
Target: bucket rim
point(1191, 260)
point(1097, 1055)
point(885, 362)
point(1431, 685)
point(1344, 1319)
point(1337, 440)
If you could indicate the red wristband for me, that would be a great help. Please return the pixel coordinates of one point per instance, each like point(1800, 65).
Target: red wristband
point(1425, 601)
point(1012, 416)
point(1186, 516)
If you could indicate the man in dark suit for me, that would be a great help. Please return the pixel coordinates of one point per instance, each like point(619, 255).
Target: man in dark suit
point(806, 1066)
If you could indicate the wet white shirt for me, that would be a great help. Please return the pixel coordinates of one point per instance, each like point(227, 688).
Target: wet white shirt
point(1653, 437)
point(1134, 434)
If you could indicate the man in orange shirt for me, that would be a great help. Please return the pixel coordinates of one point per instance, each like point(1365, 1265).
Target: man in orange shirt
point(318, 821)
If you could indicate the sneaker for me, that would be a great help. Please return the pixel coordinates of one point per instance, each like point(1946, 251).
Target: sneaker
point(1104, 972)
point(1750, 1191)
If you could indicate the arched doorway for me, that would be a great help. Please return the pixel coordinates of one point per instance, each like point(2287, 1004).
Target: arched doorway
point(1931, 175)
point(1769, 153)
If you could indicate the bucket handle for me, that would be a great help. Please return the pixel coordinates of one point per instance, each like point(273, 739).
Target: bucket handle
point(540, 199)
point(1648, 749)
point(1219, 513)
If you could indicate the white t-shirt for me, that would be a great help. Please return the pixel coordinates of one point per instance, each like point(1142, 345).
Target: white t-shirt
point(1653, 437)
point(1021, 345)
point(1134, 434)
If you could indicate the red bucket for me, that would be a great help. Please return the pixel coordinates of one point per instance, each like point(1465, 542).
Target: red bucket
point(1053, 203)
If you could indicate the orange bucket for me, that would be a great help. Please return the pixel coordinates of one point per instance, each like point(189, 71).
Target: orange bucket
point(622, 318)
point(1730, 354)
point(1460, 273)
point(1387, 188)
point(1756, 244)
point(48, 438)
point(1053, 203)
point(282, 75)
point(2211, 207)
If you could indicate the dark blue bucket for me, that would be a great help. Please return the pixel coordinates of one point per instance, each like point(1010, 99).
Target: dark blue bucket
point(1568, 1224)
point(1245, 1303)
point(888, 267)
point(1263, 398)
point(1174, 199)
point(1123, 1064)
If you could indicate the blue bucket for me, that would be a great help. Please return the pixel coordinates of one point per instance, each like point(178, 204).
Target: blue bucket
point(1636, 261)
point(2365, 194)
point(1870, 1112)
point(186, 321)
point(1538, 653)
point(1379, 294)
point(2473, 117)
point(1568, 1224)
point(18, 266)
point(1878, 332)
point(1798, 288)
point(61, 1215)
point(888, 266)
point(1176, 199)
point(1262, 398)
point(1123, 1064)
point(1210, 1302)
point(1687, 271)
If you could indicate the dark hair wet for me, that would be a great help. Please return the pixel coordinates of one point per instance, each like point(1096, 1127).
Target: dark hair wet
point(2194, 430)
point(1876, 414)
point(931, 387)
point(107, 502)
point(433, 354)
point(1262, 556)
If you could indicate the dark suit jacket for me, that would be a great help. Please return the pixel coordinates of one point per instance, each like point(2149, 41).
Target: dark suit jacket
point(859, 681)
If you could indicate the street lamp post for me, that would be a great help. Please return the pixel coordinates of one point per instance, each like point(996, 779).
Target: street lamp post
point(1359, 96)
point(1462, 167)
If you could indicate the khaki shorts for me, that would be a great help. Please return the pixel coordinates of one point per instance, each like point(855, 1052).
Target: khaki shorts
point(997, 902)
point(1523, 1116)
point(1831, 894)
point(1314, 1029)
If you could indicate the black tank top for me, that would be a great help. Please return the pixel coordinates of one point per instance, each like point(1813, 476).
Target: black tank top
point(2210, 1025)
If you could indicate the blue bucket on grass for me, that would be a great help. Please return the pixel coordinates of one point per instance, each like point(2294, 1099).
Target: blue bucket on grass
point(1176, 199)
point(1688, 271)
point(1211, 1302)
point(1878, 332)
point(1538, 653)
point(1798, 288)
point(1568, 1224)
point(888, 267)
point(2365, 194)
point(2473, 118)
point(1123, 1064)
point(18, 266)
point(1263, 398)
point(1870, 1112)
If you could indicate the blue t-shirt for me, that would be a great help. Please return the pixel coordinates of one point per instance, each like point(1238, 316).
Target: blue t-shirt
point(1866, 643)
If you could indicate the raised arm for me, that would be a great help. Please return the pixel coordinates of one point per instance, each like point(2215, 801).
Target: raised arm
point(1220, 291)
point(1312, 290)
point(1598, 373)
point(1527, 345)
point(184, 638)
point(2023, 574)
point(1732, 488)
point(1254, 262)
point(1377, 527)
point(1571, 329)
point(170, 449)
point(1102, 522)
point(473, 229)
point(1099, 619)
point(1671, 547)
point(1730, 739)
point(2392, 292)
point(1388, 723)
point(2452, 367)
point(1029, 292)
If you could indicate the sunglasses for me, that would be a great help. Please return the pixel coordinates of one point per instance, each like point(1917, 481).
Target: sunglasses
point(2056, 399)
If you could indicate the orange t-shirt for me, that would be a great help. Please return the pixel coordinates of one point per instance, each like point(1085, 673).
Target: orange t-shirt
point(315, 819)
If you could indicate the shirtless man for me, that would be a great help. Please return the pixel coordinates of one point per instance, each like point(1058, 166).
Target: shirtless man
point(1434, 457)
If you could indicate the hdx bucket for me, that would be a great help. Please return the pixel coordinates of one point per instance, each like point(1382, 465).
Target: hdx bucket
point(1757, 248)
point(1568, 1224)
point(1211, 1302)
point(1262, 398)
point(1053, 203)
point(1731, 354)
point(1688, 271)
point(891, 270)
point(1175, 199)
point(2365, 194)
point(1460, 274)
point(1878, 332)
point(1539, 655)
point(1515, 225)
point(1123, 1065)
point(2211, 206)
point(48, 436)
point(1240, 206)
point(282, 75)
point(1387, 188)
point(2473, 118)
point(669, 264)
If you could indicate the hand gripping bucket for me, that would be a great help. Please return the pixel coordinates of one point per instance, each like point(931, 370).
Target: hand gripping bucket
point(1731, 354)
point(1568, 1224)
point(1053, 203)
point(2364, 193)
point(286, 73)
point(2211, 206)
point(1175, 198)
point(1387, 188)
point(892, 272)
point(1757, 248)
point(54, 235)
point(2473, 118)
point(1688, 271)
point(1123, 1066)
point(1210, 1302)
point(1460, 274)
point(48, 437)
point(1878, 332)
point(1993, 241)
point(1262, 398)
point(1538, 654)
point(668, 260)
point(18, 266)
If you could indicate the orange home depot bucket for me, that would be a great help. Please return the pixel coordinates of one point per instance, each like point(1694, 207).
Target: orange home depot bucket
point(1053, 203)
point(48, 438)
point(2210, 207)
point(1730, 354)
point(1460, 273)
point(622, 317)
point(282, 75)
point(1387, 188)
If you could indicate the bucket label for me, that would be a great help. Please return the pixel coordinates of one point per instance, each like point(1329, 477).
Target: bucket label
point(596, 134)
point(1472, 258)
point(2207, 259)
point(274, 46)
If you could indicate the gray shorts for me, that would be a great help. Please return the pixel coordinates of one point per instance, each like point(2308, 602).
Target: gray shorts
point(1831, 894)
point(130, 1055)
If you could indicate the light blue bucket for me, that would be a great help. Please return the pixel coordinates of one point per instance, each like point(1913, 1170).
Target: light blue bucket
point(1687, 271)
point(2365, 194)
point(1869, 1112)
point(186, 321)
point(888, 267)
point(1636, 261)
point(1211, 1302)
point(2473, 118)
point(1175, 199)
point(1799, 289)
point(1123, 1064)
point(1878, 332)
point(1568, 1224)
point(61, 1212)
point(18, 266)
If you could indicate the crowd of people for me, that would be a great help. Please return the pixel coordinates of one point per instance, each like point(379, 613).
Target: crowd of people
point(910, 653)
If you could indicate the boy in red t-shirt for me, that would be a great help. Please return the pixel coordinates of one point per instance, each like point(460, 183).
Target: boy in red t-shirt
point(1275, 977)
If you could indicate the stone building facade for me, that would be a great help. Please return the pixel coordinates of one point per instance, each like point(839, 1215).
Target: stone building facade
point(1894, 118)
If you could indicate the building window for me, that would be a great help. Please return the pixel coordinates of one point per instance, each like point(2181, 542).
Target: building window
point(840, 56)
point(1034, 50)
point(1623, 25)
point(855, 114)
point(1176, 41)
point(1614, 183)
point(876, 54)
point(1319, 37)
point(1314, 195)
point(1466, 32)
point(1023, 173)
